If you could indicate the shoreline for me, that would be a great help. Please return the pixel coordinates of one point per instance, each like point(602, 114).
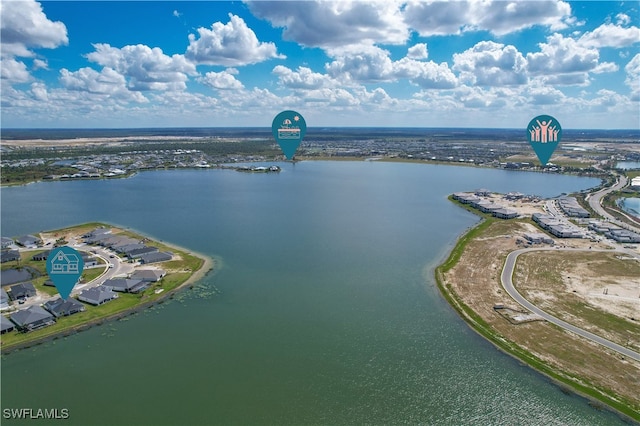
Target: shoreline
point(510, 347)
point(206, 266)
point(301, 159)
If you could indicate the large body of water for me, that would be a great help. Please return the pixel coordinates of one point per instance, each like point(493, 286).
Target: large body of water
point(323, 310)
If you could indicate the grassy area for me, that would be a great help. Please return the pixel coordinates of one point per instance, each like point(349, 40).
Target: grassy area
point(506, 342)
point(178, 272)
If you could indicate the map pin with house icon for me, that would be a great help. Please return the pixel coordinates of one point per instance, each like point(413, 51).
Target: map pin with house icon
point(64, 266)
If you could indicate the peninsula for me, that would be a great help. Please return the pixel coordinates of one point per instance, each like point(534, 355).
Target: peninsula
point(124, 273)
point(554, 287)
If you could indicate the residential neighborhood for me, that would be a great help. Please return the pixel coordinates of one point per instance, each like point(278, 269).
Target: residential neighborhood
point(116, 259)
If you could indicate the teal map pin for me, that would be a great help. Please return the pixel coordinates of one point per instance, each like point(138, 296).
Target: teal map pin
point(544, 133)
point(64, 266)
point(288, 129)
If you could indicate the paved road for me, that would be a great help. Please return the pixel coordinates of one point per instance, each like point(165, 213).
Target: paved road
point(507, 283)
point(595, 200)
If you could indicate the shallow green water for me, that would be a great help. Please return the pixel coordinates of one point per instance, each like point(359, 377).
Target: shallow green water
point(323, 309)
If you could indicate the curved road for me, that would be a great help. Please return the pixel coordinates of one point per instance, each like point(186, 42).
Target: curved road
point(507, 283)
point(595, 200)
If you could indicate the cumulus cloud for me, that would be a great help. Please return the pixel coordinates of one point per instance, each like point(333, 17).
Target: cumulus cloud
point(40, 64)
point(491, 64)
point(610, 35)
point(146, 68)
point(330, 24)
point(372, 64)
point(106, 82)
point(623, 19)
point(224, 80)
point(14, 71)
point(566, 56)
point(39, 91)
point(498, 17)
point(633, 77)
point(230, 44)
point(418, 51)
point(544, 95)
point(23, 25)
point(303, 78)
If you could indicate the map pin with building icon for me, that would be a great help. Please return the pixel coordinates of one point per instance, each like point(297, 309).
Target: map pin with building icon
point(288, 129)
point(64, 266)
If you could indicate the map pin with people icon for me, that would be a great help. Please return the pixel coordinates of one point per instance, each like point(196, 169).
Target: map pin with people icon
point(544, 133)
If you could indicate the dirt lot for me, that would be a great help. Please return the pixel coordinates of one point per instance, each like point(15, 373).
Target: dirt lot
point(476, 281)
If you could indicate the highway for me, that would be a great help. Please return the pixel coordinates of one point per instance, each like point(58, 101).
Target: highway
point(507, 283)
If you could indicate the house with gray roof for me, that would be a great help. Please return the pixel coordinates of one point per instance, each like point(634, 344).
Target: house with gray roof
point(148, 275)
point(126, 285)
point(97, 232)
point(9, 256)
point(127, 242)
point(97, 239)
point(22, 291)
point(41, 256)
point(5, 325)
point(63, 307)
point(128, 247)
point(29, 241)
point(97, 295)
point(12, 276)
point(137, 253)
point(32, 318)
point(4, 300)
point(89, 261)
point(155, 257)
point(6, 242)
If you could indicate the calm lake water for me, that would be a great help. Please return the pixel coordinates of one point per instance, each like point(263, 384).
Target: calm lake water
point(628, 165)
point(630, 205)
point(323, 309)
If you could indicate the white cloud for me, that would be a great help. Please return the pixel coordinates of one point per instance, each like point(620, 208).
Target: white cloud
point(40, 64)
point(491, 64)
point(418, 51)
point(14, 71)
point(224, 80)
point(560, 55)
point(498, 17)
point(427, 75)
point(372, 64)
point(146, 68)
point(108, 82)
point(303, 78)
point(544, 95)
point(633, 77)
point(330, 24)
point(609, 35)
point(231, 44)
point(23, 25)
point(39, 91)
point(176, 13)
point(623, 19)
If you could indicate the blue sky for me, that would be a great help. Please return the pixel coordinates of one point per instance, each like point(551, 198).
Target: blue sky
point(350, 63)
